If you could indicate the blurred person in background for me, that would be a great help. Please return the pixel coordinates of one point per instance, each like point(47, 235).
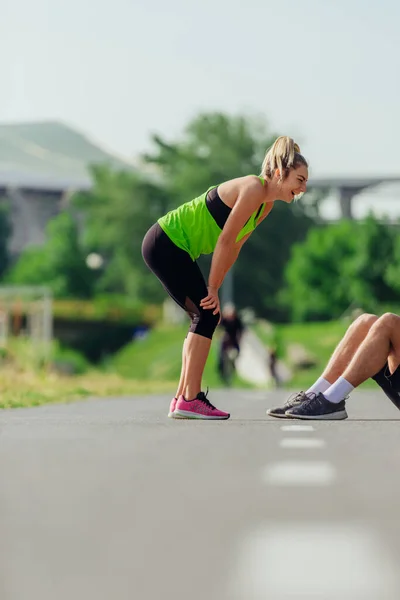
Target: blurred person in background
point(229, 348)
point(218, 222)
point(273, 366)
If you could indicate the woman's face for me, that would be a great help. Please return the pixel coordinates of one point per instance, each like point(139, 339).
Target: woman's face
point(294, 184)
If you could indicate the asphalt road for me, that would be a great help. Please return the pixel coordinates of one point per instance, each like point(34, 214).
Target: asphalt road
point(111, 499)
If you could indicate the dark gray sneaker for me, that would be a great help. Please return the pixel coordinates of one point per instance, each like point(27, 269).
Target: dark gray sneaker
point(294, 400)
point(318, 407)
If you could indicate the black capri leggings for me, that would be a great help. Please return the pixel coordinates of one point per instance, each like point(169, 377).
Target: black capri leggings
point(181, 277)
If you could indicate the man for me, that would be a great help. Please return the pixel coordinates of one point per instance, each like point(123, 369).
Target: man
point(370, 348)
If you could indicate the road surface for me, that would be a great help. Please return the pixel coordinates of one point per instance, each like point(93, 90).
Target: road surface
point(111, 499)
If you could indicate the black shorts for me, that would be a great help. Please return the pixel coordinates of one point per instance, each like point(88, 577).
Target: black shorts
point(390, 383)
point(181, 278)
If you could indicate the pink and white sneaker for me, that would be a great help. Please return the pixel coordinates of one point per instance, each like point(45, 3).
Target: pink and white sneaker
point(198, 408)
point(172, 407)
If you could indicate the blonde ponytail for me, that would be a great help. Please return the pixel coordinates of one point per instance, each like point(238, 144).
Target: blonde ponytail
point(283, 155)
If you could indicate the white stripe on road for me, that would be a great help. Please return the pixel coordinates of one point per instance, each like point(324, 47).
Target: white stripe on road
point(297, 428)
point(292, 473)
point(302, 443)
point(327, 561)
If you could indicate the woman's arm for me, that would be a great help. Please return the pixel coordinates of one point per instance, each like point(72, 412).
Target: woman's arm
point(227, 250)
point(212, 300)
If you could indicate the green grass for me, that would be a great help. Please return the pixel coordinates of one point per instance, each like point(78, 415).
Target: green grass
point(318, 339)
point(33, 388)
point(28, 378)
point(159, 357)
point(149, 366)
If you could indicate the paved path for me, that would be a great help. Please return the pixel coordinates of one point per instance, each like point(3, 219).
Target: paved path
point(109, 499)
point(252, 363)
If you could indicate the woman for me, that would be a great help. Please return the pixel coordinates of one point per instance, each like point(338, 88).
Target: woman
point(219, 222)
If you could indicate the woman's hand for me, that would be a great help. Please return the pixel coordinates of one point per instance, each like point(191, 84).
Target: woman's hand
point(211, 302)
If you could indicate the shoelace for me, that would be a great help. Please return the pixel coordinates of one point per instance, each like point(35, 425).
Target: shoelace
point(301, 398)
point(295, 399)
point(203, 398)
point(311, 401)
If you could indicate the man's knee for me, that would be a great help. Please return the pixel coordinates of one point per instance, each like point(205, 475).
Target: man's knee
point(388, 321)
point(389, 318)
point(364, 322)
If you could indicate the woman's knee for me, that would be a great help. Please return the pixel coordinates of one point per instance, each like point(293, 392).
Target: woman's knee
point(204, 323)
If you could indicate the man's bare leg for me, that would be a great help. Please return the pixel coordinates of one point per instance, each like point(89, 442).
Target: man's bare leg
point(348, 346)
point(343, 353)
point(339, 361)
point(381, 344)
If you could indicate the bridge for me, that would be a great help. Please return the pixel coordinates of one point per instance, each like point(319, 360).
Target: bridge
point(349, 187)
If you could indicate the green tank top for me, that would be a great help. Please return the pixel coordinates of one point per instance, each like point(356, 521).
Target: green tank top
point(192, 228)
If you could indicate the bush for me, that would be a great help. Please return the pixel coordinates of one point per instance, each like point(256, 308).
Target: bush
point(108, 308)
point(68, 361)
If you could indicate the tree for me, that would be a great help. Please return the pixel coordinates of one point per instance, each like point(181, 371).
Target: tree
point(117, 212)
point(370, 283)
point(348, 263)
point(316, 284)
point(59, 264)
point(260, 269)
point(392, 271)
point(214, 147)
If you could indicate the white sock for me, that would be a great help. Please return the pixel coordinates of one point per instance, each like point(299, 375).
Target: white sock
point(321, 385)
point(339, 390)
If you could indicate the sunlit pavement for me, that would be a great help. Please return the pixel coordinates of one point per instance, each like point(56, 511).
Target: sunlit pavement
point(111, 499)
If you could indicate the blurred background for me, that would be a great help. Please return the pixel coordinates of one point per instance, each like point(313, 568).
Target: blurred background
point(111, 114)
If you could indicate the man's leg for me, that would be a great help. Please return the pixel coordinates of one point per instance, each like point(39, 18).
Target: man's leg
point(344, 352)
point(337, 364)
point(381, 345)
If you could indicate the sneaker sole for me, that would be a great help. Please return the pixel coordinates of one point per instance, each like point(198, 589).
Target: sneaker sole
point(174, 415)
point(337, 416)
point(281, 416)
point(185, 414)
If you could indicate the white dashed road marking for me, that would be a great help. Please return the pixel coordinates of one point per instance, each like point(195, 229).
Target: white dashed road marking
point(293, 473)
point(327, 561)
point(302, 443)
point(298, 428)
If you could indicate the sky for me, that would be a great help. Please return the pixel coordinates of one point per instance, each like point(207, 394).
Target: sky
point(324, 72)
